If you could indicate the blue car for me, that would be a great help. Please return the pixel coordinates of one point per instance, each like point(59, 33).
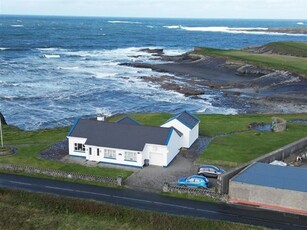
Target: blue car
point(194, 181)
point(210, 171)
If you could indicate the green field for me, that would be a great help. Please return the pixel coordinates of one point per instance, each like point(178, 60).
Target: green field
point(235, 149)
point(31, 143)
point(229, 150)
point(23, 210)
point(297, 64)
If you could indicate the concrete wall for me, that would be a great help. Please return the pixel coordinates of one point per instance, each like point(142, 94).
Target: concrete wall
point(281, 199)
point(279, 154)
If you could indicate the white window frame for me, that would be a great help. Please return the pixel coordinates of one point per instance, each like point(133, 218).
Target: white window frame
point(109, 153)
point(79, 147)
point(130, 156)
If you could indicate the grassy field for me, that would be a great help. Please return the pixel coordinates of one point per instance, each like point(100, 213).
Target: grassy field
point(276, 61)
point(298, 49)
point(23, 210)
point(235, 149)
point(228, 150)
point(238, 148)
point(31, 143)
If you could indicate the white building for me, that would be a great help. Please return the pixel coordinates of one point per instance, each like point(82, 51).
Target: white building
point(126, 142)
point(187, 124)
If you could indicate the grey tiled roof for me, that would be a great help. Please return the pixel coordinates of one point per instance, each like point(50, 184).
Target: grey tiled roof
point(128, 121)
point(118, 135)
point(186, 118)
point(282, 177)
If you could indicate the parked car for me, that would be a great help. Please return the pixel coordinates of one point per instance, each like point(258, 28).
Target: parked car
point(194, 181)
point(210, 171)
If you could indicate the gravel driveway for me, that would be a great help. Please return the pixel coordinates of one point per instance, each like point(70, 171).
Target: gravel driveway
point(152, 178)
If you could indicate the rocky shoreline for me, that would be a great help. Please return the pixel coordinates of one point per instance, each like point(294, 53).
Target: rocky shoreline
point(248, 88)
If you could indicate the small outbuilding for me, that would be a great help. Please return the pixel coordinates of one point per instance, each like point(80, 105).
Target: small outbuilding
point(187, 124)
point(277, 187)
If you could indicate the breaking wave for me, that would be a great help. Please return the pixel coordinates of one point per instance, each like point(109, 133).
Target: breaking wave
point(50, 56)
point(234, 30)
point(124, 22)
point(17, 25)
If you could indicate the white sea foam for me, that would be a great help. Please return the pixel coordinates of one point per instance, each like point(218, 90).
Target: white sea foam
point(300, 23)
point(124, 22)
point(17, 25)
point(2, 48)
point(49, 49)
point(50, 56)
point(234, 30)
point(172, 27)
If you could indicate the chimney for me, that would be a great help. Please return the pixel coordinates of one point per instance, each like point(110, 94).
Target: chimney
point(101, 117)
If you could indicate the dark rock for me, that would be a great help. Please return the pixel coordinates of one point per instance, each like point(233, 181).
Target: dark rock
point(153, 51)
point(252, 70)
point(3, 121)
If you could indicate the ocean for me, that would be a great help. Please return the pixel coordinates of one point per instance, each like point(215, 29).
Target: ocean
point(55, 69)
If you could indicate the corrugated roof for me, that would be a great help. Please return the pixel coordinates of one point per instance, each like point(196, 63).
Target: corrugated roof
point(128, 121)
point(186, 118)
point(121, 136)
point(282, 177)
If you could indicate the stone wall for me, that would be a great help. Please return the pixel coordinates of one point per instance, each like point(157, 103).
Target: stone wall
point(278, 124)
point(279, 154)
point(57, 173)
point(167, 187)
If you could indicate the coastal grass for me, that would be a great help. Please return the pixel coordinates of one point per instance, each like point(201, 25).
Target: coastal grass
point(236, 149)
point(234, 143)
point(276, 61)
point(298, 49)
point(24, 210)
point(232, 149)
point(30, 143)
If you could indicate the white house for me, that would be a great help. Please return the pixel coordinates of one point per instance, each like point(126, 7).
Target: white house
point(127, 142)
point(187, 124)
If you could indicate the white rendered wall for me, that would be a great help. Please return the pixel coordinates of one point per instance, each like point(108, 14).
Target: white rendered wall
point(173, 147)
point(71, 146)
point(120, 156)
point(182, 128)
point(194, 133)
point(189, 136)
point(156, 149)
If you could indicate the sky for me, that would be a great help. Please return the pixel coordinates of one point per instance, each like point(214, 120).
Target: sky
point(251, 9)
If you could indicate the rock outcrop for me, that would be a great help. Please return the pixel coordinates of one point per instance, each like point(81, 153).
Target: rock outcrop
point(3, 121)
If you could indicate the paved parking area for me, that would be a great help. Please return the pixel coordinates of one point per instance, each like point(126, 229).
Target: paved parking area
point(152, 178)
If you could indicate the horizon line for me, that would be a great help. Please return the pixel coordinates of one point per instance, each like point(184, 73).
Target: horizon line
point(144, 17)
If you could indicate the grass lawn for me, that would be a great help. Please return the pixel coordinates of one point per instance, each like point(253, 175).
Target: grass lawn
point(227, 150)
point(23, 210)
point(277, 61)
point(235, 149)
point(31, 143)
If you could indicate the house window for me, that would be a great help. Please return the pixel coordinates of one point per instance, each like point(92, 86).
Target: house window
point(130, 156)
point(90, 151)
point(109, 153)
point(97, 152)
point(79, 147)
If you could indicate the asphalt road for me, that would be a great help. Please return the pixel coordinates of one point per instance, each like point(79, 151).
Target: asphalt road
point(157, 203)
